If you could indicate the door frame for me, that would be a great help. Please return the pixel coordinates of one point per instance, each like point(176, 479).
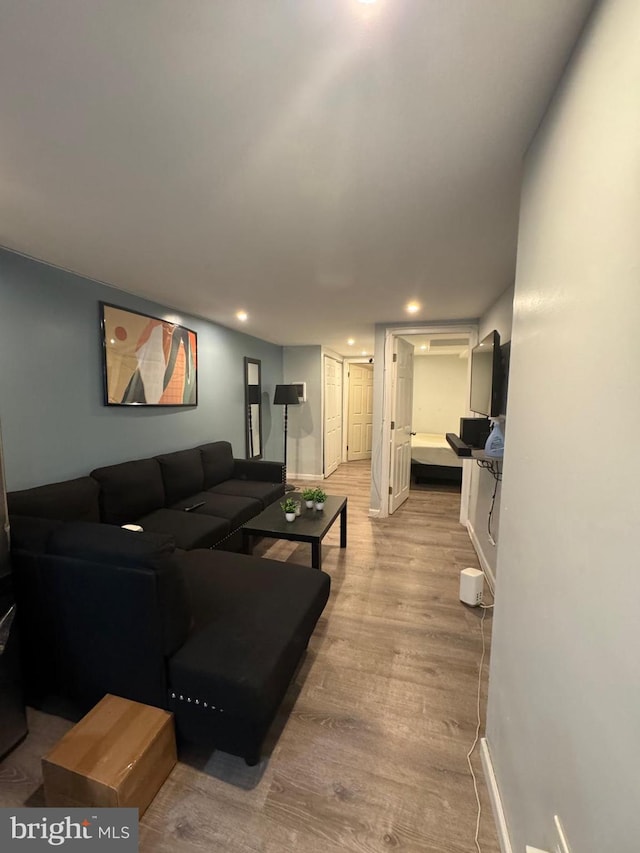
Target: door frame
point(380, 467)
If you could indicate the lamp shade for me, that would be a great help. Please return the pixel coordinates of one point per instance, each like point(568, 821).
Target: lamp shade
point(285, 395)
point(253, 394)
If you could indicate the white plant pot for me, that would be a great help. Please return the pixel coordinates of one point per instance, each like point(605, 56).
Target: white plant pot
point(309, 504)
point(290, 516)
point(320, 506)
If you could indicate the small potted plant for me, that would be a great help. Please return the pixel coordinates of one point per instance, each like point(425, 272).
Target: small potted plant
point(289, 509)
point(309, 497)
point(319, 498)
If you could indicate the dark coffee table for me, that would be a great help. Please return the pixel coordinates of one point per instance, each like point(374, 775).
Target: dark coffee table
point(311, 526)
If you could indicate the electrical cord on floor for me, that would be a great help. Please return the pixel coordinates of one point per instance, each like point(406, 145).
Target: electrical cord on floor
point(484, 607)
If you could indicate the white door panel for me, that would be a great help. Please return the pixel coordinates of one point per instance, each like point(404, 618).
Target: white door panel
point(402, 404)
point(360, 420)
point(332, 414)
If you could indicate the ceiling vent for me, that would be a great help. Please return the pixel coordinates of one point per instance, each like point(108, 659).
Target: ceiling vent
point(434, 343)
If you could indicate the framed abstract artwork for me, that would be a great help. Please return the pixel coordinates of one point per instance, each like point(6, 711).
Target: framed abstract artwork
point(147, 361)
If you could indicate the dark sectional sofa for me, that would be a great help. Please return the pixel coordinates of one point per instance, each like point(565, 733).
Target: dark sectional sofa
point(212, 635)
point(200, 496)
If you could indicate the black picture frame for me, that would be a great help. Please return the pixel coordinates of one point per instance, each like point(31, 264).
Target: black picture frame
point(253, 407)
point(147, 361)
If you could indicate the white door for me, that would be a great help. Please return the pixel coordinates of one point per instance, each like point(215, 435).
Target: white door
point(360, 428)
point(401, 408)
point(332, 414)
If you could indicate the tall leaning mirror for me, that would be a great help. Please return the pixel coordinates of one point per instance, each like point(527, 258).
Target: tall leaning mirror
point(253, 407)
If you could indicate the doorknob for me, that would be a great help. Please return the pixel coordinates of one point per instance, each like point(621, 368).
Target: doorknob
point(413, 433)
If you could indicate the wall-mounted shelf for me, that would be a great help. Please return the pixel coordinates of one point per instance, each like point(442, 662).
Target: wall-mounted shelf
point(466, 451)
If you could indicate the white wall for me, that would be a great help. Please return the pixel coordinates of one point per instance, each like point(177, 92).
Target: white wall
point(304, 453)
point(499, 316)
point(440, 392)
point(564, 695)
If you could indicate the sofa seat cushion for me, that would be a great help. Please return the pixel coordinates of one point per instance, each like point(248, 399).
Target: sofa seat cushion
point(252, 621)
point(71, 500)
point(112, 546)
point(188, 529)
point(266, 493)
point(236, 510)
point(129, 490)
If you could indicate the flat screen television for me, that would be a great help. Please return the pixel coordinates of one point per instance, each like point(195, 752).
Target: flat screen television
point(486, 377)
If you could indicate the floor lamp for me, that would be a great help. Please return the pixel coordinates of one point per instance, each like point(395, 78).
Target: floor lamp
point(286, 395)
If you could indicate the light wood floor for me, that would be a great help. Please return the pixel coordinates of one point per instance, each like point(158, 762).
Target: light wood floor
point(368, 753)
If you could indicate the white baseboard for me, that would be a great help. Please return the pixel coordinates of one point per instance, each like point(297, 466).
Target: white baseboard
point(487, 568)
point(292, 475)
point(374, 513)
point(496, 800)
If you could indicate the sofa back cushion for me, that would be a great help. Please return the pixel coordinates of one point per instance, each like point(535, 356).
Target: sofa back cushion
point(217, 462)
point(71, 500)
point(129, 490)
point(182, 474)
point(32, 534)
point(110, 546)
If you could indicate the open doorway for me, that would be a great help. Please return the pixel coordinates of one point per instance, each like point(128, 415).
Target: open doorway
point(384, 468)
point(440, 399)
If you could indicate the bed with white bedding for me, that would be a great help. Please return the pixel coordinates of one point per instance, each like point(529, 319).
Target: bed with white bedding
point(432, 458)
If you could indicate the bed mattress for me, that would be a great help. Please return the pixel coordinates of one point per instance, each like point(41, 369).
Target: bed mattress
point(430, 448)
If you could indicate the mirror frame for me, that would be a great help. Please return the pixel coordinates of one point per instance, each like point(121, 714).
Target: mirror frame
point(253, 411)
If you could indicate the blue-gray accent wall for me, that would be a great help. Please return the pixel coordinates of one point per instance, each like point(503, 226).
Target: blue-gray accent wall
point(54, 423)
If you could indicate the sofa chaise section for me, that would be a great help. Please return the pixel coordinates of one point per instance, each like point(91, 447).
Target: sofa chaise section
point(259, 626)
point(213, 636)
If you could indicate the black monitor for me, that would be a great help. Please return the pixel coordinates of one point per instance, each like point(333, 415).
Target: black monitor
point(486, 377)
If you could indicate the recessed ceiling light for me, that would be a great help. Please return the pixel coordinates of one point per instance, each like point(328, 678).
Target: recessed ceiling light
point(351, 342)
point(242, 316)
point(413, 307)
point(424, 346)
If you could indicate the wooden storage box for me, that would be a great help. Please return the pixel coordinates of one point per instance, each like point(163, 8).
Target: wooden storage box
point(118, 755)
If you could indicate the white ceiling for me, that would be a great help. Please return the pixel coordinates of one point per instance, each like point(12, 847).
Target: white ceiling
point(315, 162)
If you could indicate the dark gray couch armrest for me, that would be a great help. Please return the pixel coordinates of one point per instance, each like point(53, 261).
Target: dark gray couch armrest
point(259, 469)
